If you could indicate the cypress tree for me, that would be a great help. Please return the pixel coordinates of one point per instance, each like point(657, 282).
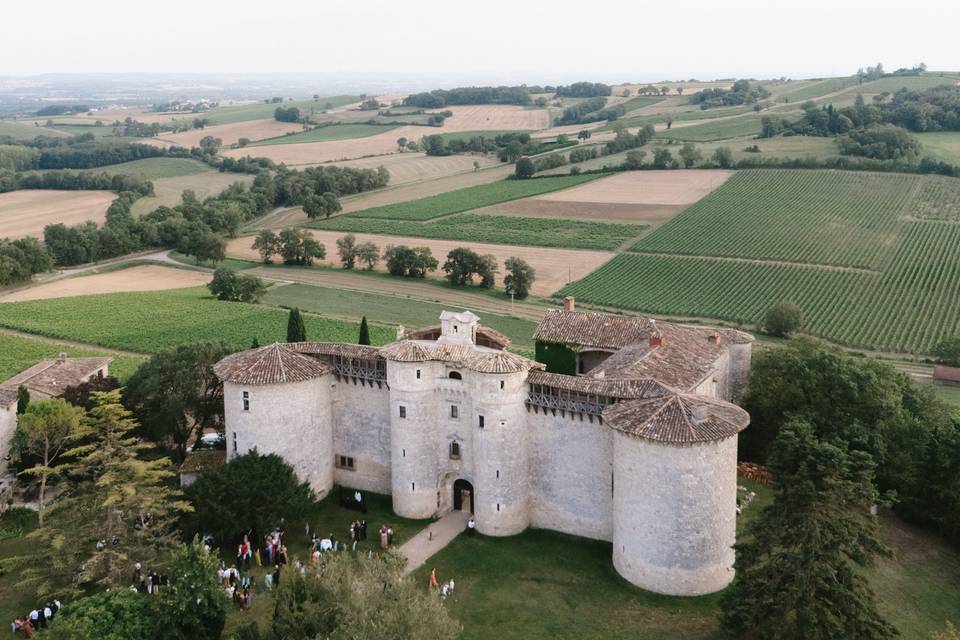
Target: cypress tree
point(799, 567)
point(255, 344)
point(364, 331)
point(23, 399)
point(296, 331)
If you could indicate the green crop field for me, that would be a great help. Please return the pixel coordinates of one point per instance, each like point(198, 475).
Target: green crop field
point(333, 132)
point(23, 131)
point(817, 89)
point(942, 145)
point(388, 310)
point(18, 354)
point(536, 232)
point(638, 102)
point(768, 236)
point(719, 130)
point(150, 322)
point(471, 198)
point(104, 131)
point(259, 111)
point(690, 113)
point(154, 168)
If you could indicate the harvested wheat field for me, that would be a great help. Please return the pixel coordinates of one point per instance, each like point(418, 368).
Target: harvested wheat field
point(414, 167)
point(142, 278)
point(168, 192)
point(493, 117)
point(332, 150)
point(646, 197)
point(554, 267)
point(230, 133)
point(27, 212)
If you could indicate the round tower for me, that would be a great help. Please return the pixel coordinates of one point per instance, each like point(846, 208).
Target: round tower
point(675, 492)
point(277, 400)
point(501, 474)
point(413, 452)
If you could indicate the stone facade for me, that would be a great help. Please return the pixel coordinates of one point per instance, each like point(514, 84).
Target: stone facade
point(420, 416)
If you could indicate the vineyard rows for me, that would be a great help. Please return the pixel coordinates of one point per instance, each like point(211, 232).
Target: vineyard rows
point(938, 199)
point(817, 217)
point(908, 305)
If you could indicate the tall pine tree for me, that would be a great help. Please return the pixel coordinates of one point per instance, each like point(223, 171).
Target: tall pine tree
point(296, 331)
point(799, 567)
point(364, 331)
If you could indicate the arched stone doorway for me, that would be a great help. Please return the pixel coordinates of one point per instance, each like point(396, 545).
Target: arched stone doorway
point(463, 495)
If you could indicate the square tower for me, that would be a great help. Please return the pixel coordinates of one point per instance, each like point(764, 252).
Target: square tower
point(458, 328)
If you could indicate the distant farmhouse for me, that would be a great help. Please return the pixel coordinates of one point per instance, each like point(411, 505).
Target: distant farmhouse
point(623, 431)
point(46, 379)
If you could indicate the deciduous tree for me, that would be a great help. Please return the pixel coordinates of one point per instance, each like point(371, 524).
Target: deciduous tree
point(267, 243)
point(783, 319)
point(347, 248)
point(519, 278)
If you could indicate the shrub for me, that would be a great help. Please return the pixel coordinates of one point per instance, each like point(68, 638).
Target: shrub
point(525, 168)
point(229, 285)
point(783, 319)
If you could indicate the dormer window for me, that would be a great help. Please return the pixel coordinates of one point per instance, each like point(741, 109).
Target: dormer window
point(455, 375)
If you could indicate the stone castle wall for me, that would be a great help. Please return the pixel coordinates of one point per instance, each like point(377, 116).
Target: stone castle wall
point(361, 430)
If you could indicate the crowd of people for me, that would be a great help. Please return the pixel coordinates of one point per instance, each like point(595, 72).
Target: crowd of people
point(38, 618)
point(149, 582)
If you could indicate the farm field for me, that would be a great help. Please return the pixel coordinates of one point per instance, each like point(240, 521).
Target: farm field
point(25, 131)
point(718, 130)
point(417, 167)
point(154, 168)
point(105, 131)
point(943, 145)
point(513, 230)
point(644, 197)
point(18, 353)
point(494, 117)
point(388, 309)
point(230, 133)
point(467, 135)
point(27, 212)
point(168, 192)
point(848, 248)
point(554, 267)
point(470, 198)
point(332, 150)
point(139, 278)
point(261, 111)
point(334, 132)
point(174, 317)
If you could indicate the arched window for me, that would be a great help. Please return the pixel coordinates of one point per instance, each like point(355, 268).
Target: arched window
point(455, 375)
point(454, 450)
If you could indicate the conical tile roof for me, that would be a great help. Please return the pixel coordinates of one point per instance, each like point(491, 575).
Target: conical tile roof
point(677, 418)
point(274, 364)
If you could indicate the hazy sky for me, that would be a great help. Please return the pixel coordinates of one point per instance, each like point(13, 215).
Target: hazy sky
point(537, 40)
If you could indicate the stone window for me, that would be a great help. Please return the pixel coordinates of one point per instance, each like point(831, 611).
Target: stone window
point(454, 450)
point(413, 486)
point(246, 401)
point(234, 441)
point(501, 385)
point(498, 474)
point(454, 412)
point(455, 375)
point(418, 374)
point(498, 506)
point(480, 422)
point(344, 462)
point(403, 412)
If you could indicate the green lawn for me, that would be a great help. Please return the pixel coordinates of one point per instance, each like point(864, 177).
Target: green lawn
point(471, 198)
point(22, 131)
point(536, 232)
point(105, 131)
point(387, 309)
point(259, 110)
point(638, 102)
point(153, 321)
point(14, 602)
point(333, 132)
point(943, 145)
point(19, 353)
point(229, 263)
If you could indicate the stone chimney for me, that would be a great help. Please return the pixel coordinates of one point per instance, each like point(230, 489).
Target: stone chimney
point(657, 339)
point(569, 304)
point(714, 338)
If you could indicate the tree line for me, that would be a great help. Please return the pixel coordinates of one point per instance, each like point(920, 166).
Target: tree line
point(82, 152)
point(439, 98)
point(584, 90)
point(741, 92)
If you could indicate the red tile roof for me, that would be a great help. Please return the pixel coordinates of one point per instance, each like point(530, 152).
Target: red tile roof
point(50, 377)
point(273, 364)
point(677, 418)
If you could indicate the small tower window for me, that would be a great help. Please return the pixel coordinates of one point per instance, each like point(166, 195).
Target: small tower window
point(456, 328)
point(403, 412)
point(454, 450)
point(418, 374)
point(455, 375)
point(234, 441)
point(246, 401)
point(501, 385)
point(454, 411)
point(413, 486)
point(480, 422)
point(344, 462)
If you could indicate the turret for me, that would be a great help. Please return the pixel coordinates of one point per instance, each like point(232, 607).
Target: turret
point(674, 497)
point(278, 401)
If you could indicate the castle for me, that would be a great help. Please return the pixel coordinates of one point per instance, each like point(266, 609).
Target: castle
point(623, 431)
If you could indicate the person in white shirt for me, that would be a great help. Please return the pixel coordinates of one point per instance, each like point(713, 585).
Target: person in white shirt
point(471, 526)
point(326, 545)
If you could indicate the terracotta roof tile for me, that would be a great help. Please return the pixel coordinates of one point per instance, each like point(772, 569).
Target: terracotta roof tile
point(273, 364)
point(342, 349)
point(622, 389)
point(50, 377)
point(599, 330)
point(481, 360)
point(677, 418)
point(486, 337)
